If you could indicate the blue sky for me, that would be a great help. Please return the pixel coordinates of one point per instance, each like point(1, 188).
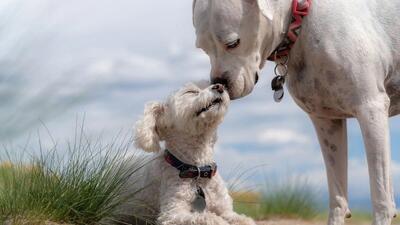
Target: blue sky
point(104, 59)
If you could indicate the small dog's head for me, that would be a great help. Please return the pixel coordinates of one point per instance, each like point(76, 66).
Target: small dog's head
point(237, 35)
point(195, 109)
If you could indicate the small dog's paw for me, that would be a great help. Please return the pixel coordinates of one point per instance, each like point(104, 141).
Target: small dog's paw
point(197, 219)
point(236, 219)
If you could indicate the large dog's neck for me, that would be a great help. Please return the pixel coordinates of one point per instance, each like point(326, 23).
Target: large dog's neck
point(192, 149)
point(277, 27)
point(280, 26)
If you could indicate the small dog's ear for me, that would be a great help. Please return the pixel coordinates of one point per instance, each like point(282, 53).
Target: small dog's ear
point(266, 8)
point(146, 135)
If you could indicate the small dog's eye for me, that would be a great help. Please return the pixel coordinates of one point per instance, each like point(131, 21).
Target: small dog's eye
point(191, 92)
point(233, 44)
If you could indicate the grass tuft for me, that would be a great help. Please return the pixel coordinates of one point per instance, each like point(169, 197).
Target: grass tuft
point(290, 199)
point(79, 184)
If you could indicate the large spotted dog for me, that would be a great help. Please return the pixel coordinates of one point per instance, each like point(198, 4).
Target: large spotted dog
point(345, 63)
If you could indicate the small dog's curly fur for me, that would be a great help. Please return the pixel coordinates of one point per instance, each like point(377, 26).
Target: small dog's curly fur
point(187, 122)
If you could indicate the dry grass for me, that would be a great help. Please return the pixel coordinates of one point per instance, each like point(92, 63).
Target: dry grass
point(290, 199)
point(80, 184)
point(319, 221)
point(31, 222)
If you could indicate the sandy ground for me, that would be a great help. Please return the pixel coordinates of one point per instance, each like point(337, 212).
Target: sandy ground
point(301, 222)
point(288, 222)
point(269, 222)
point(26, 222)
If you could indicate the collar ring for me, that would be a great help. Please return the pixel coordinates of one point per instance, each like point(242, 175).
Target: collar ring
point(198, 173)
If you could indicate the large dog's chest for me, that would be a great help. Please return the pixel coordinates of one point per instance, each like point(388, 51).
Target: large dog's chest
point(333, 94)
point(393, 91)
point(320, 83)
point(320, 95)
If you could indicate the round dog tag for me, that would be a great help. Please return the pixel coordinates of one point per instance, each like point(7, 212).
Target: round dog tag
point(277, 83)
point(278, 95)
point(199, 203)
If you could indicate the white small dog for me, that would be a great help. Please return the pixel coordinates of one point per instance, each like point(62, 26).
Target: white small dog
point(185, 188)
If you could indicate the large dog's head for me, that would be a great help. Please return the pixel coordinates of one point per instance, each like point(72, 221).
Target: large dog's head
point(237, 35)
point(195, 109)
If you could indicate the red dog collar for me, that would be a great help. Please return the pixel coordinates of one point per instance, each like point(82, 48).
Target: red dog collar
point(298, 12)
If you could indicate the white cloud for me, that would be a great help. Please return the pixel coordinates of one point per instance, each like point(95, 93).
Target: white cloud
point(282, 136)
point(272, 160)
point(132, 68)
point(269, 108)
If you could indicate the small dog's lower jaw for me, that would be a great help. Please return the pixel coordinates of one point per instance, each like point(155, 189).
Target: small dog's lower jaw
point(214, 102)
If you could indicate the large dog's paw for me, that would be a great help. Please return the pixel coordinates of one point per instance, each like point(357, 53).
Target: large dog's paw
point(337, 216)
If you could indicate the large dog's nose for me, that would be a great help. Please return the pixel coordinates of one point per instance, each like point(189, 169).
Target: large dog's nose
point(256, 78)
point(220, 80)
point(219, 88)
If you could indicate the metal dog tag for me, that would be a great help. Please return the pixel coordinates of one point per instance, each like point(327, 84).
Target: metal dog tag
point(277, 83)
point(278, 95)
point(277, 87)
point(199, 203)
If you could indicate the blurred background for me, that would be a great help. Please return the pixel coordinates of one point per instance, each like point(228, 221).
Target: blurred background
point(101, 60)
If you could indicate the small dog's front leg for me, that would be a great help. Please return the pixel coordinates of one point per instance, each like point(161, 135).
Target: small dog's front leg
point(222, 205)
point(236, 219)
point(189, 218)
point(176, 206)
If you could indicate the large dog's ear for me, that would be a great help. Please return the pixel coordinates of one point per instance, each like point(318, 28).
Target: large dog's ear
point(266, 8)
point(146, 135)
point(193, 6)
point(199, 8)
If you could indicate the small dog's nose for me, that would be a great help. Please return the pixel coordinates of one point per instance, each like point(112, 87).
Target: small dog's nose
point(220, 80)
point(219, 88)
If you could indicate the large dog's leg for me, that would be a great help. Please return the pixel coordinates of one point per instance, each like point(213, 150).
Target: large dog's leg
point(373, 119)
point(332, 135)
